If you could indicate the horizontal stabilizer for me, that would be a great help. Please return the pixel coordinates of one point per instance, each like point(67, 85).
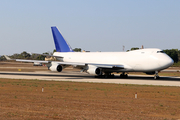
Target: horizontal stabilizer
point(7, 58)
point(39, 61)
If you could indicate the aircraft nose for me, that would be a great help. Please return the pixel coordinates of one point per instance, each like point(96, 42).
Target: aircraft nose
point(166, 62)
point(170, 61)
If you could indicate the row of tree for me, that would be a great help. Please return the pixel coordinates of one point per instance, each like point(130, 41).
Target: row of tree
point(173, 53)
point(25, 55)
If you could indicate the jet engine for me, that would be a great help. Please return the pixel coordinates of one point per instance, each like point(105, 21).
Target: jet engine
point(94, 70)
point(56, 68)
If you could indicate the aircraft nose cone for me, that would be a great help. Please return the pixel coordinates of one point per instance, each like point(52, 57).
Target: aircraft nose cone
point(166, 62)
point(170, 61)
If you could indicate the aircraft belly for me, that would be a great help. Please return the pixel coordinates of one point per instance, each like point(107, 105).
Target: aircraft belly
point(118, 70)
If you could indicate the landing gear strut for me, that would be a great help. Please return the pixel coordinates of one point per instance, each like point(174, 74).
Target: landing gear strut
point(123, 75)
point(156, 76)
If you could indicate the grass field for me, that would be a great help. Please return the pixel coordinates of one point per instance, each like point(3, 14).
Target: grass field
point(24, 99)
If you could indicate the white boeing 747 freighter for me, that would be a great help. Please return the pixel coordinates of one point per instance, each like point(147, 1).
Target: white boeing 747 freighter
point(103, 64)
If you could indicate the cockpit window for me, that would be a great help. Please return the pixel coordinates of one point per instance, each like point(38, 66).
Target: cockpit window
point(160, 52)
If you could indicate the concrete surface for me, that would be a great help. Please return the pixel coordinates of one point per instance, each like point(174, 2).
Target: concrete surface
point(83, 77)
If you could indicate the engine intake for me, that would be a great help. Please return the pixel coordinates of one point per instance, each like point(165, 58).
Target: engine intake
point(94, 70)
point(56, 68)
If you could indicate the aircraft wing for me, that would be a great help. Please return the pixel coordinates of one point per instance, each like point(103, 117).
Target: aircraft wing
point(86, 64)
point(75, 63)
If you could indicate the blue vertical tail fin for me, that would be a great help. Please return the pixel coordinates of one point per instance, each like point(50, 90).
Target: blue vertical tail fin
point(60, 43)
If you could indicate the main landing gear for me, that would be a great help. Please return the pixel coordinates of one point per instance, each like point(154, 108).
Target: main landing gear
point(109, 75)
point(123, 75)
point(105, 75)
point(156, 76)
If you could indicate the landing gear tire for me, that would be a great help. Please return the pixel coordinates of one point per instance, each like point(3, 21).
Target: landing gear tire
point(108, 75)
point(123, 75)
point(156, 77)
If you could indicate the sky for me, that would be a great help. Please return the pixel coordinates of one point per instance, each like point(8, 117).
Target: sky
point(92, 25)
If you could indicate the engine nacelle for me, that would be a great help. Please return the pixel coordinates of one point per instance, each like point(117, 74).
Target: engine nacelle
point(94, 70)
point(150, 73)
point(56, 68)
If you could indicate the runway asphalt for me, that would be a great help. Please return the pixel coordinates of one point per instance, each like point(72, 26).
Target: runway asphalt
point(83, 77)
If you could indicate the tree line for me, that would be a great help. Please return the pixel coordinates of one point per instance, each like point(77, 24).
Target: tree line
point(26, 55)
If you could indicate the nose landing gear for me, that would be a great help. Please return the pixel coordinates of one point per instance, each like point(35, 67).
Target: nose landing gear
point(156, 76)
